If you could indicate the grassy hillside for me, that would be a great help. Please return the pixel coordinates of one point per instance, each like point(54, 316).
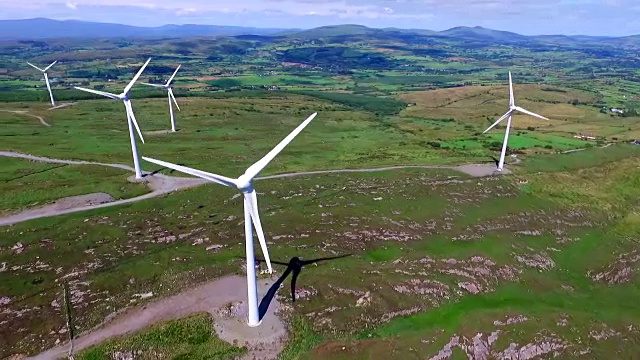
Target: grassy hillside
point(542, 260)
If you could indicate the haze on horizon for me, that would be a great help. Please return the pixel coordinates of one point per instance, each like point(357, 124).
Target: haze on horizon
point(569, 17)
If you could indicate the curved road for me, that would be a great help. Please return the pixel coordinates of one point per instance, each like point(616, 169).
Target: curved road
point(163, 184)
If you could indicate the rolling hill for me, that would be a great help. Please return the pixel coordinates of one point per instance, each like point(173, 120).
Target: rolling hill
point(40, 28)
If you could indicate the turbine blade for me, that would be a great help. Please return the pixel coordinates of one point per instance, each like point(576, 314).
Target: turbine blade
point(48, 67)
point(30, 64)
point(102, 93)
point(307, 262)
point(255, 169)
point(498, 121)
point(222, 180)
point(135, 78)
point(172, 76)
point(530, 113)
point(154, 85)
point(512, 101)
point(251, 201)
point(127, 105)
point(174, 98)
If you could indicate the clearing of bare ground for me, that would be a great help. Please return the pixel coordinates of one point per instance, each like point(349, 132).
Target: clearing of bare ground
point(439, 257)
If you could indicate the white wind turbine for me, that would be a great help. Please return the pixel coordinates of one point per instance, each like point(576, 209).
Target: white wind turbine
point(512, 108)
point(245, 184)
point(46, 79)
point(131, 118)
point(167, 86)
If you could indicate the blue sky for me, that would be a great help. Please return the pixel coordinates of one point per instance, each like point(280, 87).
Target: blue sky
point(589, 17)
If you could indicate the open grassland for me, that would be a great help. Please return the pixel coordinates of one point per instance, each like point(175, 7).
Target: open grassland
point(238, 130)
point(443, 127)
point(591, 157)
point(437, 256)
point(541, 263)
point(480, 106)
point(25, 184)
point(189, 338)
point(545, 255)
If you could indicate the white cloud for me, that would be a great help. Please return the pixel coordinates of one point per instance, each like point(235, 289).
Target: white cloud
point(339, 8)
point(185, 12)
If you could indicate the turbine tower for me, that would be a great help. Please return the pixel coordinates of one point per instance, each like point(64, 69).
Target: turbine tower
point(244, 183)
point(46, 79)
point(167, 87)
point(131, 118)
point(512, 108)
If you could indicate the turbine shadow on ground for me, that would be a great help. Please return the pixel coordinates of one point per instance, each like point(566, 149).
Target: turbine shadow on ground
point(495, 160)
point(159, 170)
point(294, 266)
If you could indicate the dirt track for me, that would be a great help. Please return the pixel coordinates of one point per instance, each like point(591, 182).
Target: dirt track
point(26, 113)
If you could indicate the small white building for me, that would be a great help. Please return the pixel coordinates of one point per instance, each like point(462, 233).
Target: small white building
point(585, 136)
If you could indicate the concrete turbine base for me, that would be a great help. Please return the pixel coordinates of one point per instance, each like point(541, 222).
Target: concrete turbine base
point(233, 328)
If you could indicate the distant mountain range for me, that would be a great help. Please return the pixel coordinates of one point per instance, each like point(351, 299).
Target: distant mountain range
point(41, 28)
point(465, 34)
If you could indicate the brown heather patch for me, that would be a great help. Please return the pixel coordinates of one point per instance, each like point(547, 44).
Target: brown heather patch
point(399, 288)
point(622, 270)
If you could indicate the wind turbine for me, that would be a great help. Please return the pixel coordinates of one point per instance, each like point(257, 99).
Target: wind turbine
point(512, 108)
point(245, 184)
point(167, 87)
point(46, 79)
point(131, 118)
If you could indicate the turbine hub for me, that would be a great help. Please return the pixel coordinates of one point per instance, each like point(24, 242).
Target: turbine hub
point(245, 183)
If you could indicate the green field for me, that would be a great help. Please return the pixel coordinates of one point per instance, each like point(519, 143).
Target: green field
point(188, 338)
point(25, 184)
point(443, 262)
